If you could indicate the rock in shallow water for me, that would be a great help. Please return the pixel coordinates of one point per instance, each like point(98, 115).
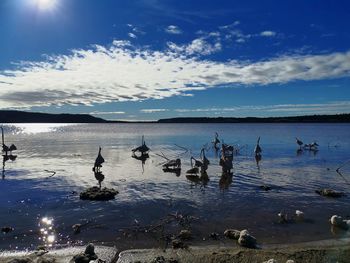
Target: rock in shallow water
point(6, 229)
point(338, 221)
point(232, 233)
point(97, 194)
point(329, 193)
point(87, 256)
point(246, 240)
point(185, 234)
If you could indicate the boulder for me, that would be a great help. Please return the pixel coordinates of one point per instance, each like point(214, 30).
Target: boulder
point(338, 221)
point(329, 193)
point(97, 194)
point(246, 240)
point(232, 233)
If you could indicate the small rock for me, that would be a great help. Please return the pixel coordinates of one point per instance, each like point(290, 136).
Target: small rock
point(265, 187)
point(97, 194)
point(339, 222)
point(271, 261)
point(20, 260)
point(7, 229)
point(214, 235)
point(159, 259)
point(299, 214)
point(81, 258)
point(46, 260)
point(90, 250)
point(290, 261)
point(246, 240)
point(329, 193)
point(232, 233)
point(76, 228)
point(41, 247)
point(185, 234)
point(178, 244)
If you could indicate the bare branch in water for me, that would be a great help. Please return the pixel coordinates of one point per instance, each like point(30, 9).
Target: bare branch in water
point(53, 173)
point(341, 166)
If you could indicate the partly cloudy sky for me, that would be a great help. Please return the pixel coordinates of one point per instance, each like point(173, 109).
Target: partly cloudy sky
point(151, 59)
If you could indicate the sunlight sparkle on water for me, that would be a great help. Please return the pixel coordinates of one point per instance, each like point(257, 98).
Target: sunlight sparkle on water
point(34, 128)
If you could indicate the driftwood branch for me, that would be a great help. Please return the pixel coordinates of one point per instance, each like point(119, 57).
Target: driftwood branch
point(53, 173)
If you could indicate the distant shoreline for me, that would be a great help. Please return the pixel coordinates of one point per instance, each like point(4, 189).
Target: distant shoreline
point(36, 117)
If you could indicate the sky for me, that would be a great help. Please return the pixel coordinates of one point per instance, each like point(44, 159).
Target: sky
point(153, 59)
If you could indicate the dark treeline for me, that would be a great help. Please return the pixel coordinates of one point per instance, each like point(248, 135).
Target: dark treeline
point(342, 118)
point(34, 117)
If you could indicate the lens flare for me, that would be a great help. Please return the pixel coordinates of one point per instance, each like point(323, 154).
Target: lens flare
point(46, 4)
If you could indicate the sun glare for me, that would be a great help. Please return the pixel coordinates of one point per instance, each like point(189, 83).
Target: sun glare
point(46, 4)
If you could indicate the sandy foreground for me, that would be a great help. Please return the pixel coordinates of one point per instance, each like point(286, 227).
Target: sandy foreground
point(332, 251)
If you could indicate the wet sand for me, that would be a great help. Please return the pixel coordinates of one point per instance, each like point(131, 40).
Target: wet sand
point(328, 251)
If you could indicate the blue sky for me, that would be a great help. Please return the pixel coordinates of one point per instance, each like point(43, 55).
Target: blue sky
point(151, 59)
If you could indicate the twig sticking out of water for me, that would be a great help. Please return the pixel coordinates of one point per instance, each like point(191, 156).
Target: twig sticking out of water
point(341, 166)
point(159, 229)
point(53, 173)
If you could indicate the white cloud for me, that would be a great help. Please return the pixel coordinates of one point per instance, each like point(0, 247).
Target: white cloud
point(268, 33)
point(122, 72)
point(173, 30)
point(153, 110)
point(197, 46)
point(235, 23)
point(316, 108)
point(106, 112)
point(132, 35)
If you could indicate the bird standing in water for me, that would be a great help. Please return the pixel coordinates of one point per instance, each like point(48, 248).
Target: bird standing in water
point(299, 142)
point(258, 149)
point(98, 162)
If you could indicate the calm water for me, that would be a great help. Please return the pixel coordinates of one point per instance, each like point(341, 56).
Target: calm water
point(28, 193)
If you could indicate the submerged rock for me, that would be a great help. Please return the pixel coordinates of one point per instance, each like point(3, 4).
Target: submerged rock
point(76, 228)
point(246, 240)
point(232, 233)
point(214, 235)
point(185, 234)
point(329, 193)
point(176, 243)
point(97, 194)
point(265, 187)
point(338, 221)
point(7, 229)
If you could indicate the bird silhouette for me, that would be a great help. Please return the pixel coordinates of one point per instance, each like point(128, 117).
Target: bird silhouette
point(216, 141)
point(258, 149)
point(299, 142)
point(205, 161)
point(99, 161)
point(143, 148)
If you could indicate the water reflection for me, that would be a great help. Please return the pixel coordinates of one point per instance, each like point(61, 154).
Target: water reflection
point(143, 157)
point(5, 158)
point(70, 151)
point(35, 128)
point(47, 232)
point(225, 180)
point(99, 177)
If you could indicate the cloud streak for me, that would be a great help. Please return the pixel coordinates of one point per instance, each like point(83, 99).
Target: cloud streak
point(122, 72)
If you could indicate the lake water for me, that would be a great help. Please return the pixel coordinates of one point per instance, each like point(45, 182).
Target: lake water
point(30, 197)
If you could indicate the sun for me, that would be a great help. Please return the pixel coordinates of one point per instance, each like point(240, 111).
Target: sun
point(46, 4)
